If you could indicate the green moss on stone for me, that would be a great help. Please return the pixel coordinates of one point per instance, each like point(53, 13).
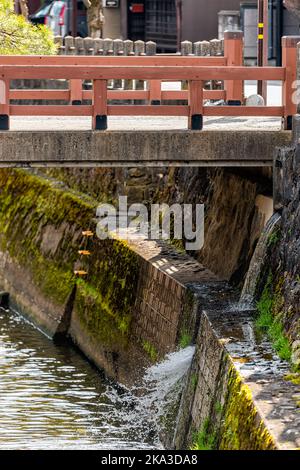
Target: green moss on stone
point(194, 381)
point(150, 350)
point(268, 306)
point(274, 238)
point(294, 378)
point(205, 439)
point(29, 206)
point(241, 428)
point(185, 339)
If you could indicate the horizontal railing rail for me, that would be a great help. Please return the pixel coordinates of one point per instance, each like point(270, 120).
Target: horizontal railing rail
point(167, 73)
point(153, 70)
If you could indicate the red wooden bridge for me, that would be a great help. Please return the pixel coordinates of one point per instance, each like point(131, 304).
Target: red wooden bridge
point(196, 71)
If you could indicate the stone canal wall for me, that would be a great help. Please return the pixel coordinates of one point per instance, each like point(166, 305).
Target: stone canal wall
point(235, 204)
point(133, 305)
point(138, 301)
point(237, 394)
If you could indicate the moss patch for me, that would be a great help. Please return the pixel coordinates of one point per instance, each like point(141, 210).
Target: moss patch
point(241, 428)
point(30, 206)
point(205, 439)
point(294, 378)
point(185, 340)
point(150, 350)
point(274, 238)
point(270, 324)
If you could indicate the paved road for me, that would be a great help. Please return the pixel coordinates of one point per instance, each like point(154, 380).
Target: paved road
point(158, 123)
point(149, 123)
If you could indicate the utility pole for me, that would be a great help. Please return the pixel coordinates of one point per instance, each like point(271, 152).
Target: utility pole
point(179, 23)
point(74, 18)
point(262, 43)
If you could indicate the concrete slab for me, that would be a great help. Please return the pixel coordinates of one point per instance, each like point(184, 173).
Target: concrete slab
point(157, 142)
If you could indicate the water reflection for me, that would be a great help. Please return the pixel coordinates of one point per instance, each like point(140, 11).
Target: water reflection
point(52, 398)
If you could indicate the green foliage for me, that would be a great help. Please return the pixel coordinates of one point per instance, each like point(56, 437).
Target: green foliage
point(241, 427)
point(185, 340)
point(294, 378)
point(267, 322)
point(104, 299)
point(194, 381)
point(18, 36)
point(218, 407)
point(274, 238)
point(204, 439)
point(150, 350)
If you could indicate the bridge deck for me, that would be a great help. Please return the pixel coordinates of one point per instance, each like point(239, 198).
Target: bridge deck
point(134, 141)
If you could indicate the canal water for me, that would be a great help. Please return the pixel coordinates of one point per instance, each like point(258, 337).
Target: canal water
point(52, 398)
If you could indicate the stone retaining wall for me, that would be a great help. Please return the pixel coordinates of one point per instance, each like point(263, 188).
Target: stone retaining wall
point(236, 396)
point(129, 309)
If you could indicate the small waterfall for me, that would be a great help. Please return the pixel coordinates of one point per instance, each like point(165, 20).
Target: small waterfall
point(156, 401)
point(258, 262)
point(162, 377)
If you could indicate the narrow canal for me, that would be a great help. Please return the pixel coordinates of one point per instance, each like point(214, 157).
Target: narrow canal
point(52, 398)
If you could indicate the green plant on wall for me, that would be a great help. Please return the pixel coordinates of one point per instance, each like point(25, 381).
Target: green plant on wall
point(274, 238)
point(150, 350)
point(271, 325)
point(204, 439)
point(185, 339)
point(194, 381)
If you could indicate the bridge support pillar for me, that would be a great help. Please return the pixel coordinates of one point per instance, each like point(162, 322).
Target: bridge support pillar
point(100, 123)
point(4, 105)
point(100, 105)
point(196, 122)
point(291, 63)
point(4, 122)
point(196, 105)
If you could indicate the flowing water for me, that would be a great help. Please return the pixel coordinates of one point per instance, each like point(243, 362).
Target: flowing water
point(52, 398)
point(258, 261)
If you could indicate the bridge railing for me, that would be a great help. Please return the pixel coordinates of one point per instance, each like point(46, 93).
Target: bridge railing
point(195, 70)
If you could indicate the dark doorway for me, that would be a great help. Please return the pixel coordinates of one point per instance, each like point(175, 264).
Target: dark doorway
point(136, 20)
point(161, 24)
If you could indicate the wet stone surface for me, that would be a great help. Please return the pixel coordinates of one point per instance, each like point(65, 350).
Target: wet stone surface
point(263, 371)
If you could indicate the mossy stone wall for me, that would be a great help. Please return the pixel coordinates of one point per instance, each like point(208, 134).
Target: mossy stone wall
point(123, 314)
point(217, 408)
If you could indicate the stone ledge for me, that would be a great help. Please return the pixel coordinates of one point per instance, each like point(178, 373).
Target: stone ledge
point(133, 148)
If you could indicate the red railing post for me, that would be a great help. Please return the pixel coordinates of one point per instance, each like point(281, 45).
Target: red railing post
point(155, 92)
point(289, 61)
point(4, 104)
point(196, 105)
point(234, 53)
point(100, 105)
point(76, 92)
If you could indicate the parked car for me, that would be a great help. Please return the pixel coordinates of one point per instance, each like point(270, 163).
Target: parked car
point(58, 17)
point(40, 16)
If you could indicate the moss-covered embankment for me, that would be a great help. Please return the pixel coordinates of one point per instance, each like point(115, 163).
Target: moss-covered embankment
point(234, 200)
point(218, 410)
point(125, 310)
point(278, 288)
point(41, 228)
